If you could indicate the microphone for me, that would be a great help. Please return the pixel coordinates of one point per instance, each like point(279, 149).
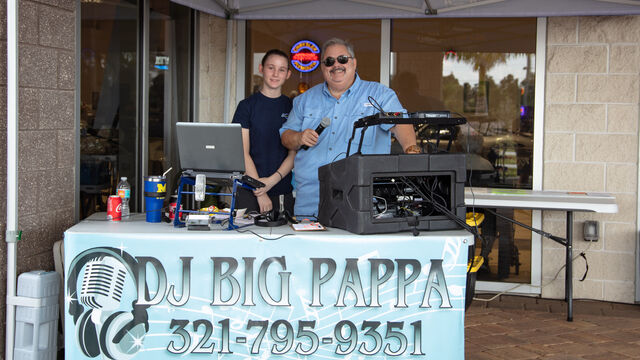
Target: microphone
point(199, 188)
point(323, 124)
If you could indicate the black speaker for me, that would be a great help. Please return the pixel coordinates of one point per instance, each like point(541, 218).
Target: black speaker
point(371, 194)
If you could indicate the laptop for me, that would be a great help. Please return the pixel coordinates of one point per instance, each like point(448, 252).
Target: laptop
point(211, 148)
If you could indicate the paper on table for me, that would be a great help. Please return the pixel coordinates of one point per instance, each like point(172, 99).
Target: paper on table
point(242, 221)
point(308, 226)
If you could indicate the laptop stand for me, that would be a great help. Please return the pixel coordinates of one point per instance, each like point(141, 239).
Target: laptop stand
point(188, 178)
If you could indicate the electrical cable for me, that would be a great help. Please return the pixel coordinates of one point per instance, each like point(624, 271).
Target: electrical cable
point(376, 105)
point(424, 182)
point(476, 231)
point(586, 264)
point(473, 195)
point(441, 208)
point(223, 224)
point(386, 207)
point(555, 277)
point(260, 236)
point(334, 159)
point(537, 231)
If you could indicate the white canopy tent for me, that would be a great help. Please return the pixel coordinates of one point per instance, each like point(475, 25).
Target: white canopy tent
point(389, 9)
point(280, 9)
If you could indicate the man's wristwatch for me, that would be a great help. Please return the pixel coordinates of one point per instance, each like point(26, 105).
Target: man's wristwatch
point(413, 149)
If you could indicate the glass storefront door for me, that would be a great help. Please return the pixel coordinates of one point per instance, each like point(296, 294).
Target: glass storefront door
point(169, 81)
point(482, 69)
point(111, 107)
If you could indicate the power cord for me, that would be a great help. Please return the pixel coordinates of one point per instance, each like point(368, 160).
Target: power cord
point(224, 222)
point(260, 236)
point(334, 159)
point(376, 105)
point(386, 207)
point(440, 208)
point(582, 254)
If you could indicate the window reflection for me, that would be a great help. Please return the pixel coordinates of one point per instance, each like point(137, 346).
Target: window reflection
point(482, 69)
point(169, 69)
point(109, 120)
point(263, 35)
point(108, 116)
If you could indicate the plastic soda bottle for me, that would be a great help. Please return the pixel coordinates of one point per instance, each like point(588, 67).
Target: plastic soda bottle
point(124, 191)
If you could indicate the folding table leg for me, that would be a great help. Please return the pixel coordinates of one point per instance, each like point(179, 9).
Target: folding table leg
point(568, 285)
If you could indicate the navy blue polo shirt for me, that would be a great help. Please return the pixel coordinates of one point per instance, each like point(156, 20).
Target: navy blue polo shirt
point(264, 116)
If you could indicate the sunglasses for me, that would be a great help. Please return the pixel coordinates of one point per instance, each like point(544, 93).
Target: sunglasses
point(342, 59)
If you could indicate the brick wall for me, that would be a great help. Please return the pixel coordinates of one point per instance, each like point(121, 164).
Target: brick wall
point(591, 144)
point(46, 162)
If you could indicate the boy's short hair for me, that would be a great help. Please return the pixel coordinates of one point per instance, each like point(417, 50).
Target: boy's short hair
point(275, 52)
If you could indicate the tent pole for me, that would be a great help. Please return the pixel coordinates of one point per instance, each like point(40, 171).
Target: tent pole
point(12, 171)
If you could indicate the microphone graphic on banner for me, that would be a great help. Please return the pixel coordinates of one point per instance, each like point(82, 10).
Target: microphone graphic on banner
point(115, 334)
point(103, 283)
point(323, 124)
point(103, 326)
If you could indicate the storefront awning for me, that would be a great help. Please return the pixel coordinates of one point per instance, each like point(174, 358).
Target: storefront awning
point(387, 9)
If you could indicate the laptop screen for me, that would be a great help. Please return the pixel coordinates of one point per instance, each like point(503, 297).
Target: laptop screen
point(210, 147)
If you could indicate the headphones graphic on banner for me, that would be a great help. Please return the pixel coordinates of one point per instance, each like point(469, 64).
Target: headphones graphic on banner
point(102, 327)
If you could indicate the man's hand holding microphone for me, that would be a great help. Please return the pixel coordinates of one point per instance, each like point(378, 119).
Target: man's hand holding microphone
point(309, 137)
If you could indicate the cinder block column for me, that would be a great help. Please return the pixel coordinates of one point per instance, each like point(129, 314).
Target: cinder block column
point(591, 144)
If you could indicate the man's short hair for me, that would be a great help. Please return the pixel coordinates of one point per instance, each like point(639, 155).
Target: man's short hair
point(338, 41)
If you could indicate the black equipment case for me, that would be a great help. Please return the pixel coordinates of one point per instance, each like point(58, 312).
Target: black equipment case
point(371, 194)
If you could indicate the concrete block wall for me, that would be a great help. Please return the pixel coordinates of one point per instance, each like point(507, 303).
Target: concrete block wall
point(212, 69)
point(46, 163)
point(591, 144)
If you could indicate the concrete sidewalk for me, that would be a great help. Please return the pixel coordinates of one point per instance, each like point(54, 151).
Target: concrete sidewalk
point(514, 327)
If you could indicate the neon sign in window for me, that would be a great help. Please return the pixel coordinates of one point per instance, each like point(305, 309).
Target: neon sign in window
point(305, 56)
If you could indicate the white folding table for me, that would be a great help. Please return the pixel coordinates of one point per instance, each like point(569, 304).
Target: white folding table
point(568, 201)
point(138, 290)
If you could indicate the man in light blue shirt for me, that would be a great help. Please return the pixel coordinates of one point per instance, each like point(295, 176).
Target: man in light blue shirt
point(343, 98)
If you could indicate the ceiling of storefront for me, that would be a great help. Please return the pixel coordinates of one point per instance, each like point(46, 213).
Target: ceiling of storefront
point(384, 9)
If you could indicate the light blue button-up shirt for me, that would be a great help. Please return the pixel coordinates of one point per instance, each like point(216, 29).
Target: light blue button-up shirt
point(307, 113)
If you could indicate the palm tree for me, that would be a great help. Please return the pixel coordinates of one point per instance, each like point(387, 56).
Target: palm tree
point(482, 63)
